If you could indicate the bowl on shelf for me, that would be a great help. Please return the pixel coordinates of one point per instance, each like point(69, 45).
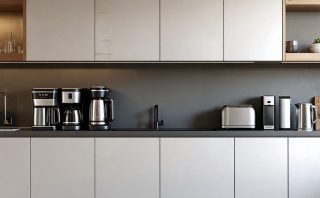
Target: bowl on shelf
point(315, 48)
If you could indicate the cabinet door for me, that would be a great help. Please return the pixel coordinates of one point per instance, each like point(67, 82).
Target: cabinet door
point(15, 167)
point(127, 30)
point(127, 167)
point(304, 167)
point(62, 167)
point(253, 30)
point(60, 30)
point(261, 168)
point(197, 167)
point(191, 30)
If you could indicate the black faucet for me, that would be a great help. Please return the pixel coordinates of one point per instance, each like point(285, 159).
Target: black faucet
point(156, 122)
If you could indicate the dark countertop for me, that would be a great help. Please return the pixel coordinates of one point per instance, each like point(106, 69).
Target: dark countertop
point(162, 133)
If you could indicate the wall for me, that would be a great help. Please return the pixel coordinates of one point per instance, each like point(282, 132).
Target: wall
point(189, 95)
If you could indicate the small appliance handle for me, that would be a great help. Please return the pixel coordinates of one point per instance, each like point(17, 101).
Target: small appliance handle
point(110, 111)
point(314, 114)
point(57, 111)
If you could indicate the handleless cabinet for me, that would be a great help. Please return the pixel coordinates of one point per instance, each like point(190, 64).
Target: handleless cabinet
point(191, 30)
point(62, 167)
point(60, 30)
point(127, 30)
point(304, 167)
point(253, 30)
point(261, 167)
point(15, 167)
point(197, 167)
point(127, 167)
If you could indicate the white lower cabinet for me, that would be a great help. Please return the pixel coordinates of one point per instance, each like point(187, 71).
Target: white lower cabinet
point(197, 167)
point(15, 167)
point(127, 168)
point(304, 167)
point(261, 168)
point(62, 168)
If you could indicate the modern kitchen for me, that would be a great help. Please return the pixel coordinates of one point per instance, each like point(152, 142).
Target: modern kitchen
point(159, 99)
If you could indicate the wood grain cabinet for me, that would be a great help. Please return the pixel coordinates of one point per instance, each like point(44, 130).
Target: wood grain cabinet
point(197, 167)
point(191, 30)
point(62, 167)
point(261, 168)
point(15, 167)
point(127, 167)
point(60, 30)
point(127, 30)
point(304, 167)
point(253, 30)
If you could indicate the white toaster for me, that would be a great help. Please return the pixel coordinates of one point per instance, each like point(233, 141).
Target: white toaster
point(238, 117)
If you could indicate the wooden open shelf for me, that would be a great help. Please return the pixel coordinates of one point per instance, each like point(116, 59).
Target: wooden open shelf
point(303, 5)
point(11, 57)
point(303, 57)
point(12, 19)
point(11, 5)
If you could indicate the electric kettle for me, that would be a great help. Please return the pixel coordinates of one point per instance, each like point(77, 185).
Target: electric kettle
point(306, 115)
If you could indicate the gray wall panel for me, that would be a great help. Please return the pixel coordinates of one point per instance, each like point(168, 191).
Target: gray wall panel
point(189, 95)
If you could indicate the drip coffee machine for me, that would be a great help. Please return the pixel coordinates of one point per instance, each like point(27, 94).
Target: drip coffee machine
point(46, 112)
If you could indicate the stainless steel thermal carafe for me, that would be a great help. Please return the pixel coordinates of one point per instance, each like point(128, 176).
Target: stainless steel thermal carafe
point(101, 109)
point(306, 116)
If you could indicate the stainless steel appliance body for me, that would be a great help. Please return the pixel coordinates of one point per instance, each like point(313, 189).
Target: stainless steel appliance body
point(46, 114)
point(71, 102)
point(238, 117)
point(268, 118)
point(101, 111)
point(284, 112)
point(306, 116)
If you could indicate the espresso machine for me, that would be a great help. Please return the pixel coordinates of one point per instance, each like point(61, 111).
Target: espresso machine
point(46, 112)
point(101, 110)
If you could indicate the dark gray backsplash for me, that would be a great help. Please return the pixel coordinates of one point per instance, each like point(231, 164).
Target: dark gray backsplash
point(189, 95)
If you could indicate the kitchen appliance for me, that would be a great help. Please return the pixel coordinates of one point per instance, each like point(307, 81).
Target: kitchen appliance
point(46, 112)
point(292, 46)
point(71, 105)
point(101, 111)
point(268, 112)
point(285, 112)
point(238, 117)
point(306, 116)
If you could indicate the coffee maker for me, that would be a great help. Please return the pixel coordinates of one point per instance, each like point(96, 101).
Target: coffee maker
point(101, 108)
point(71, 105)
point(46, 112)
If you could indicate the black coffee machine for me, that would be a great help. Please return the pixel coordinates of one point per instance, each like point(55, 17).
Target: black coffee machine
point(74, 109)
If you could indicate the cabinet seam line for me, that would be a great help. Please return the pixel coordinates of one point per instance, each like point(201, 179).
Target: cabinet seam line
point(234, 167)
point(159, 167)
point(30, 167)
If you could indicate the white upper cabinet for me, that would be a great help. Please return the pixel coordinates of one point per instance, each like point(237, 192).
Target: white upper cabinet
point(253, 30)
point(62, 168)
point(127, 168)
point(15, 167)
point(191, 30)
point(60, 30)
point(127, 30)
point(304, 167)
point(197, 167)
point(261, 168)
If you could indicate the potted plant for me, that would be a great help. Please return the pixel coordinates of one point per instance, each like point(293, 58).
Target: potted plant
point(315, 47)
